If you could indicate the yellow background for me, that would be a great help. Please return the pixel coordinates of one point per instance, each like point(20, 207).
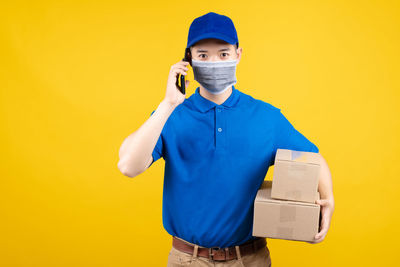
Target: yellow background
point(77, 77)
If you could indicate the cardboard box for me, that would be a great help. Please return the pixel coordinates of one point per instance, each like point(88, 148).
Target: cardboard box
point(284, 219)
point(296, 175)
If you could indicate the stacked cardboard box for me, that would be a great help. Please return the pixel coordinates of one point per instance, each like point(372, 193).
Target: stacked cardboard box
point(285, 208)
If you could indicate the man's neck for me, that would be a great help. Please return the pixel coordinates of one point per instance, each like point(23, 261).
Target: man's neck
point(218, 99)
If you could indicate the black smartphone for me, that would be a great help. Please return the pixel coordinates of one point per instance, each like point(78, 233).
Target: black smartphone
point(181, 86)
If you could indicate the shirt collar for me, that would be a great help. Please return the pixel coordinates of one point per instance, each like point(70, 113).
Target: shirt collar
point(204, 104)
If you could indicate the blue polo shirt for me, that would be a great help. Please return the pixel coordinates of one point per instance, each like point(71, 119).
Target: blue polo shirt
point(216, 158)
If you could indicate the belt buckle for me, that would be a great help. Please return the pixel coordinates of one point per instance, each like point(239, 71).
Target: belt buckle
point(211, 253)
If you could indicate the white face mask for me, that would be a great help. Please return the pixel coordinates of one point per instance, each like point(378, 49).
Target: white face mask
point(215, 76)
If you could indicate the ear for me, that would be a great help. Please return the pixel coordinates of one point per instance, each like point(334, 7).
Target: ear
point(239, 54)
point(190, 58)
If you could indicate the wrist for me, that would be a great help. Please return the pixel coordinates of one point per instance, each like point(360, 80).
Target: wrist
point(167, 105)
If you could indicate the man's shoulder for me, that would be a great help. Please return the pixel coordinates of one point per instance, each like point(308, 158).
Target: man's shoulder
point(258, 103)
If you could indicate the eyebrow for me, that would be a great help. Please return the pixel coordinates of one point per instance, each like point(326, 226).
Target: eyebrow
point(203, 50)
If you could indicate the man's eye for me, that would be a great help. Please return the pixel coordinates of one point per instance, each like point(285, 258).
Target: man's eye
point(201, 55)
point(225, 54)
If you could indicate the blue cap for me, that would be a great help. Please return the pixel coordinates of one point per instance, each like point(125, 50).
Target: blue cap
point(212, 25)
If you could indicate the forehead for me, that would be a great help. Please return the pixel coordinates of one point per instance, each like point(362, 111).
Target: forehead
point(211, 44)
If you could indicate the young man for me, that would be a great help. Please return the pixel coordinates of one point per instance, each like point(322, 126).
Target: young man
point(217, 145)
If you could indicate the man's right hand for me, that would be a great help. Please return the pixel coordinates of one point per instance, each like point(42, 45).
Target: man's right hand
point(173, 95)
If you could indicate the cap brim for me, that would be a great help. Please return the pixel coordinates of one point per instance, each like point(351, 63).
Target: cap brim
point(214, 35)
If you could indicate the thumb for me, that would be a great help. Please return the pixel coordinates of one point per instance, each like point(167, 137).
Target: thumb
point(322, 202)
point(187, 83)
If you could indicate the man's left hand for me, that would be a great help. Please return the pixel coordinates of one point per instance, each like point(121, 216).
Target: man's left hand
point(327, 207)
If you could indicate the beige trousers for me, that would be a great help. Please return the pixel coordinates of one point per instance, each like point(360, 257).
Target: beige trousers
point(260, 258)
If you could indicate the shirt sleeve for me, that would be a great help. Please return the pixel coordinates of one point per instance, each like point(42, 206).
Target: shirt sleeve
point(158, 149)
point(287, 137)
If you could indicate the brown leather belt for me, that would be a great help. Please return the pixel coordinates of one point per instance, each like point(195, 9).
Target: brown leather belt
point(220, 254)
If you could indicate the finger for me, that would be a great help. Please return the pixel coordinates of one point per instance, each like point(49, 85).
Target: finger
point(324, 226)
point(173, 67)
point(187, 83)
point(185, 63)
point(179, 68)
point(321, 233)
point(176, 71)
point(316, 241)
point(322, 230)
point(322, 202)
point(320, 238)
point(326, 218)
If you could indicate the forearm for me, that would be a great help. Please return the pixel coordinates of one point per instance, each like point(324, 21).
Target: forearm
point(325, 181)
point(137, 148)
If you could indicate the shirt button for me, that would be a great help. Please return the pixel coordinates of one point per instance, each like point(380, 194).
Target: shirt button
point(218, 109)
point(219, 129)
